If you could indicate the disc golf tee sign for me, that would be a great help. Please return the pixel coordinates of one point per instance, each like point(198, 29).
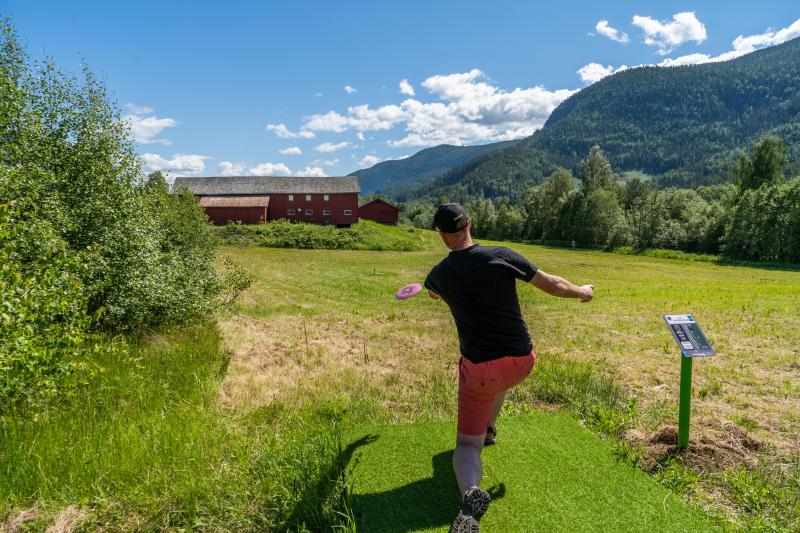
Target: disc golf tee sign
point(693, 343)
point(689, 336)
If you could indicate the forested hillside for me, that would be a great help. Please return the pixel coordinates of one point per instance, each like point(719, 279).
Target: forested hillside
point(399, 175)
point(685, 125)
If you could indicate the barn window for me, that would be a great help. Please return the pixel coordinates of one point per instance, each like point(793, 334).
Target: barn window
point(309, 211)
point(325, 197)
point(348, 211)
point(291, 197)
point(290, 211)
point(326, 211)
point(308, 197)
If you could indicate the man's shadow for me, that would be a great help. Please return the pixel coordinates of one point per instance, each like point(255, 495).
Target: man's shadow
point(423, 504)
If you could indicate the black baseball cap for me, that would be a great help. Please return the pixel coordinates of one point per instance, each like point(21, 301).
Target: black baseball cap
point(450, 218)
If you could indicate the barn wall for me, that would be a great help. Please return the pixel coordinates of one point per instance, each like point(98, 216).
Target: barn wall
point(246, 215)
point(279, 206)
point(379, 212)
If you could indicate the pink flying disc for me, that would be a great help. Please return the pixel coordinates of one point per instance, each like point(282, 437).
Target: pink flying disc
point(408, 291)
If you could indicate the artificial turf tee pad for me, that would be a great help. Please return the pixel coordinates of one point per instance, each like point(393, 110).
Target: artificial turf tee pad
point(547, 473)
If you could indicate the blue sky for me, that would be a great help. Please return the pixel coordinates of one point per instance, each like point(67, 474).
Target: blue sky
point(314, 88)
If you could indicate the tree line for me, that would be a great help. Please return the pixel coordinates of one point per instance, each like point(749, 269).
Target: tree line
point(755, 219)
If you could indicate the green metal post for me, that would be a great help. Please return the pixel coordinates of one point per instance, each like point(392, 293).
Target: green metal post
point(684, 409)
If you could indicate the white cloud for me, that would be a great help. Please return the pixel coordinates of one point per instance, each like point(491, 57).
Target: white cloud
point(326, 148)
point(228, 168)
point(270, 169)
point(145, 128)
point(360, 135)
point(292, 150)
point(368, 161)
point(469, 110)
point(768, 38)
point(313, 172)
point(317, 95)
point(667, 36)
point(350, 90)
point(602, 28)
point(594, 72)
point(139, 109)
point(330, 162)
point(179, 165)
point(406, 87)
point(741, 45)
point(284, 133)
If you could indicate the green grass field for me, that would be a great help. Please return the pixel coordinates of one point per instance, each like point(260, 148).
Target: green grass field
point(331, 317)
point(239, 424)
point(324, 326)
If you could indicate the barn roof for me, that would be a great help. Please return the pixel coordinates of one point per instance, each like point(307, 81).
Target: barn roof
point(234, 201)
point(259, 185)
point(380, 201)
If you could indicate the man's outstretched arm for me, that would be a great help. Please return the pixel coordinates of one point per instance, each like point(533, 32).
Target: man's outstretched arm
point(558, 286)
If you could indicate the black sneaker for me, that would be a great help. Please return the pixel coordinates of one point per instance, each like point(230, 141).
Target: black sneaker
point(476, 502)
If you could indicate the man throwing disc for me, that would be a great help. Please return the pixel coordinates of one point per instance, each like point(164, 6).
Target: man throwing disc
point(478, 283)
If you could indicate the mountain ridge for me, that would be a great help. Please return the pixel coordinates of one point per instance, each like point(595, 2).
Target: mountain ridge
point(685, 125)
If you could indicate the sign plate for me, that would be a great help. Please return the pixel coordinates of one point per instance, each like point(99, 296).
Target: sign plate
point(689, 336)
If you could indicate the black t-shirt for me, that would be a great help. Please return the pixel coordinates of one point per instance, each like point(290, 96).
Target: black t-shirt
point(479, 285)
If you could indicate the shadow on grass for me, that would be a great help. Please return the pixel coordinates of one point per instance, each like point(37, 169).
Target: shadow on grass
point(426, 503)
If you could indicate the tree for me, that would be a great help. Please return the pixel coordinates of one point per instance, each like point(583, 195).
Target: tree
point(157, 181)
point(596, 171)
point(555, 192)
point(770, 158)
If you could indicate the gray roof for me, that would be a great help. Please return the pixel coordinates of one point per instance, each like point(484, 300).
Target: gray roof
point(255, 185)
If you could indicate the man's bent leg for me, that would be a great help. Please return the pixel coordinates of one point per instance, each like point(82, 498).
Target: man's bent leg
point(496, 406)
point(467, 461)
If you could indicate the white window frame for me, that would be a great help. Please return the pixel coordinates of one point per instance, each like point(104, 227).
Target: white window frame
point(325, 197)
point(326, 212)
point(308, 197)
point(291, 197)
point(309, 211)
point(290, 212)
point(348, 211)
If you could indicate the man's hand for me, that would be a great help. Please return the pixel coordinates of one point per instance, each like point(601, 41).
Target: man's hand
point(587, 292)
point(434, 295)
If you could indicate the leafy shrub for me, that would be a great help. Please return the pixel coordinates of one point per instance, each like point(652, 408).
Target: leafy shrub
point(45, 343)
point(68, 161)
point(88, 243)
point(365, 235)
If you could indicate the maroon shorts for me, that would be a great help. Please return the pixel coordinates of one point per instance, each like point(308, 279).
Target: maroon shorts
point(479, 383)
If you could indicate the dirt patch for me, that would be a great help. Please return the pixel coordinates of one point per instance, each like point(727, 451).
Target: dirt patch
point(15, 522)
point(67, 520)
point(710, 451)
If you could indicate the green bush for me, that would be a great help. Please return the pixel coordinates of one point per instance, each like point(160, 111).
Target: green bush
point(365, 235)
point(87, 242)
point(68, 161)
point(45, 341)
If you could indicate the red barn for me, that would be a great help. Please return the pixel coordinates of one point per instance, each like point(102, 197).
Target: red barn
point(379, 211)
point(256, 199)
